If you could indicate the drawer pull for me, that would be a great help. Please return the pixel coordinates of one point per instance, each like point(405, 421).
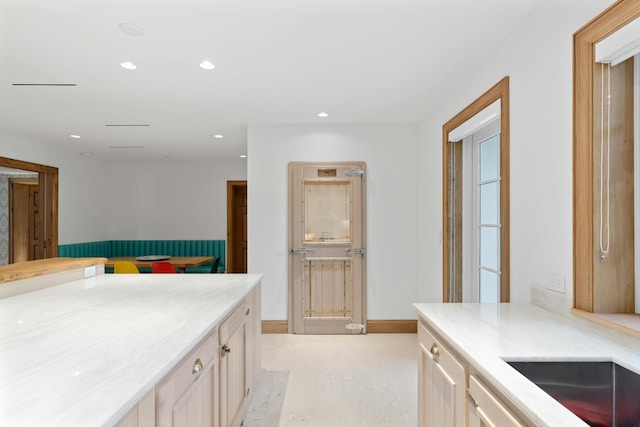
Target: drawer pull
point(225, 350)
point(248, 311)
point(197, 367)
point(435, 350)
point(473, 400)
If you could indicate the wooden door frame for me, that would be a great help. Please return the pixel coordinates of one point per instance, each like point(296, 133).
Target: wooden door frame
point(231, 231)
point(48, 181)
point(500, 91)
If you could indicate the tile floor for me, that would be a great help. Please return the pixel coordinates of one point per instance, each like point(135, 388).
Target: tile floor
point(336, 381)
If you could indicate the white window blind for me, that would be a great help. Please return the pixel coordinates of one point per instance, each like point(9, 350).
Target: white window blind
point(483, 118)
point(621, 45)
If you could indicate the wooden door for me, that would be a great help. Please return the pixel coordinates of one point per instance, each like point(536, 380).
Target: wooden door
point(237, 206)
point(327, 248)
point(25, 220)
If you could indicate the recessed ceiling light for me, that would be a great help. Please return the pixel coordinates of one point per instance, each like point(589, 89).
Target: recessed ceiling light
point(323, 114)
point(131, 29)
point(218, 136)
point(75, 136)
point(87, 154)
point(207, 65)
point(243, 156)
point(128, 65)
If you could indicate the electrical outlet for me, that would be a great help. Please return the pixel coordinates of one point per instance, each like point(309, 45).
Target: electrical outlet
point(556, 283)
point(90, 271)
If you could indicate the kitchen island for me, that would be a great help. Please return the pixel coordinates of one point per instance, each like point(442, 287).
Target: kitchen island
point(86, 352)
point(464, 355)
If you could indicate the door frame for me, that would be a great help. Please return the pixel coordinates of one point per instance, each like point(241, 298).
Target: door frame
point(500, 91)
point(48, 181)
point(232, 232)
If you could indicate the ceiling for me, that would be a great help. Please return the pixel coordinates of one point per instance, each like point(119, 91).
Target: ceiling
point(276, 62)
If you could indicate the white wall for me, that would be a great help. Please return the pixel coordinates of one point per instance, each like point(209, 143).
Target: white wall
point(389, 152)
point(538, 58)
point(83, 187)
point(171, 200)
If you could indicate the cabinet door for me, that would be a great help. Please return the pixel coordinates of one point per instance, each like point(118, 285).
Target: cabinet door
point(485, 409)
point(234, 366)
point(442, 384)
point(189, 398)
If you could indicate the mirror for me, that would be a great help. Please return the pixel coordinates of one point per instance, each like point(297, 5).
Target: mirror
point(28, 211)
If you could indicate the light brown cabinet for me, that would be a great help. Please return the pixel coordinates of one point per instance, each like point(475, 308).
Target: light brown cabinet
point(449, 395)
point(189, 396)
point(212, 385)
point(235, 355)
point(485, 409)
point(442, 383)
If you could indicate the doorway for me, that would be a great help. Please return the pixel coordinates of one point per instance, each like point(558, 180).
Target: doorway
point(327, 248)
point(45, 221)
point(24, 219)
point(237, 205)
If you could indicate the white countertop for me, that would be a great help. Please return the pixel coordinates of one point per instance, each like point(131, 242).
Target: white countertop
point(488, 334)
point(84, 352)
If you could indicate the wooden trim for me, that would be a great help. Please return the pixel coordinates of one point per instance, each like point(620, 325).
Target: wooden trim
point(613, 18)
point(275, 326)
point(373, 326)
point(392, 326)
point(499, 91)
point(28, 166)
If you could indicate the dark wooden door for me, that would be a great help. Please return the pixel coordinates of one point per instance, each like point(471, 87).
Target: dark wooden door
point(25, 221)
point(237, 206)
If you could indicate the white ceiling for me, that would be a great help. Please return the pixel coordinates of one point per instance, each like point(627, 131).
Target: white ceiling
point(277, 62)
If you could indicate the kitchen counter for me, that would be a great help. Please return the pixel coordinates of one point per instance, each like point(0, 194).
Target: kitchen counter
point(488, 334)
point(84, 352)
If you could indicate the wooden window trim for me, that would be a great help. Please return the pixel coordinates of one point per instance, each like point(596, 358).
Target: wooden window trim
point(500, 91)
point(584, 40)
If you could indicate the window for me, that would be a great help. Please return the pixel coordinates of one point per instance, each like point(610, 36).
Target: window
point(604, 262)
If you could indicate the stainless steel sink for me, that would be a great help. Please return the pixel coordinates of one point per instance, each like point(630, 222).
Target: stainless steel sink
point(600, 393)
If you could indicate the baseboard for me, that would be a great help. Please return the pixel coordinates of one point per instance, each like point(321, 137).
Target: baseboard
point(275, 326)
point(392, 326)
point(373, 326)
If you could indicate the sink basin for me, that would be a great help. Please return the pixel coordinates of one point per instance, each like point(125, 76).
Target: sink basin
point(600, 393)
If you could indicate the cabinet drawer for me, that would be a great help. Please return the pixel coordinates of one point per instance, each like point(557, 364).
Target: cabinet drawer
point(189, 370)
point(486, 409)
point(234, 321)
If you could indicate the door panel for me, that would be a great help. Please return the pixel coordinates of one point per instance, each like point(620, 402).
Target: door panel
point(327, 242)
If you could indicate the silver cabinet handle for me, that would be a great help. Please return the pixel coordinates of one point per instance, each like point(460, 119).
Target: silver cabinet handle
point(435, 350)
point(197, 367)
point(225, 350)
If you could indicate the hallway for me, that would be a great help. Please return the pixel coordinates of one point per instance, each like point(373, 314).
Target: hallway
point(336, 381)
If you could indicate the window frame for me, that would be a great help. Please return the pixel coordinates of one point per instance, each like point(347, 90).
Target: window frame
point(584, 40)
